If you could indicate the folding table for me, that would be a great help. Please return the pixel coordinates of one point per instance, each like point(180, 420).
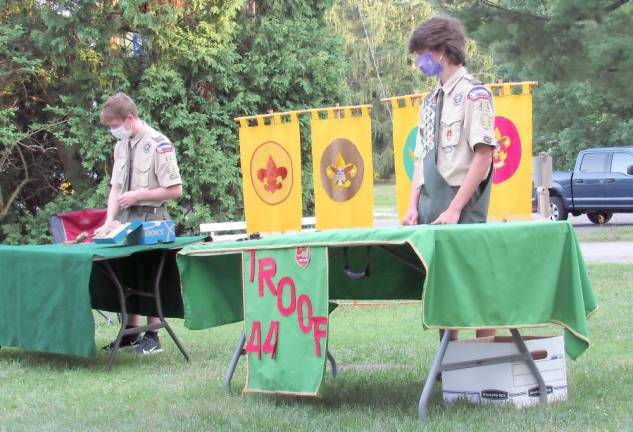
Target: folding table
point(497, 275)
point(48, 292)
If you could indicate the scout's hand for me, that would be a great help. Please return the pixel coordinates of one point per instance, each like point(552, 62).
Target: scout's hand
point(105, 229)
point(411, 218)
point(128, 199)
point(448, 216)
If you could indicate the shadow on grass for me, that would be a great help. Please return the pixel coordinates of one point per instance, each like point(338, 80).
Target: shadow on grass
point(62, 362)
point(383, 390)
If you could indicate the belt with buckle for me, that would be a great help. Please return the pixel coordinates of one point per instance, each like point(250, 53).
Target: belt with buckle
point(145, 209)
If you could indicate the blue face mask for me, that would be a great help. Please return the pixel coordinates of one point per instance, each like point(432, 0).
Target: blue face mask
point(427, 65)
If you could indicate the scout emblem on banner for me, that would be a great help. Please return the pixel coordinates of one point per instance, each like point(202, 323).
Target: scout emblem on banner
point(406, 111)
point(271, 173)
point(342, 167)
point(511, 194)
point(286, 319)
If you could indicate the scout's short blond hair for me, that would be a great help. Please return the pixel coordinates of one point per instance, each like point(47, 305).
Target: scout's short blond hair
point(117, 107)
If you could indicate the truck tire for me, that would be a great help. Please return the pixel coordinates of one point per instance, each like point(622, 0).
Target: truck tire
point(557, 209)
point(595, 217)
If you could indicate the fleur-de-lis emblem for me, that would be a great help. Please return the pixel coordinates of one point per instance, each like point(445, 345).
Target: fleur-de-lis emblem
point(500, 153)
point(341, 173)
point(272, 176)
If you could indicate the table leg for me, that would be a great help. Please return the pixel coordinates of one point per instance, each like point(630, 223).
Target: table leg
point(330, 358)
point(430, 379)
point(123, 294)
point(159, 307)
point(239, 350)
point(527, 357)
point(121, 291)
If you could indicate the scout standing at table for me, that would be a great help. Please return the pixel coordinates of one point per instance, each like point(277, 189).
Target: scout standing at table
point(145, 175)
point(453, 172)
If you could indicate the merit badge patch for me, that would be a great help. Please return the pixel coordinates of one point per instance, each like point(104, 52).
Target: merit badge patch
point(146, 147)
point(485, 121)
point(458, 99)
point(164, 148)
point(302, 256)
point(478, 93)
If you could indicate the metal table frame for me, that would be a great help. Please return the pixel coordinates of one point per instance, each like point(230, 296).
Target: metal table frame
point(523, 353)
point(124, 293)
point(239, 351)
point(437, 366)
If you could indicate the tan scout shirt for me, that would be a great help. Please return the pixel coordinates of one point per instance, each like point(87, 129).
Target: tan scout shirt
point(153, 163)
point(467, 120)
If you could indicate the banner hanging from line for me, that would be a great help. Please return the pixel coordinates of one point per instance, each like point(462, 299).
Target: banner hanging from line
point(405, 128)
point(286, 319)
point(342, 167)
point(511, 195)
point(270, 158)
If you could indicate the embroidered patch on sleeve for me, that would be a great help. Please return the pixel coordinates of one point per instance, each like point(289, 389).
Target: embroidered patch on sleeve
point(478, 93)
point(165, 147)
point(485, 121)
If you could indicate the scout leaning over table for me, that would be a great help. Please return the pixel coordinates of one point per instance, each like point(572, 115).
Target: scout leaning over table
point(144, 176)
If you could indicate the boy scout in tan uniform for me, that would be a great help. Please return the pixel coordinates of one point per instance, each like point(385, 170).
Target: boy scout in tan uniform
point(145, 175)
point(144, 162)
point(446, 146)
point(452, 176)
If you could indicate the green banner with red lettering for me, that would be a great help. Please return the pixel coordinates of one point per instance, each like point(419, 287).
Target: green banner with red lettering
point(286, 319)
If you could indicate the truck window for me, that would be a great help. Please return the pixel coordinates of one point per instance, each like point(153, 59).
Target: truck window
point(620, 162)
point(594, 162)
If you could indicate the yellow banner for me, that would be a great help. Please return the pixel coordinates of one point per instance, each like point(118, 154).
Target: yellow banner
point(511, 196)
point(270, 157)
point(405, 128)
point(342, 168)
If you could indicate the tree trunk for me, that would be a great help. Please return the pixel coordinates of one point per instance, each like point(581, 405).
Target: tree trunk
point(73, 170)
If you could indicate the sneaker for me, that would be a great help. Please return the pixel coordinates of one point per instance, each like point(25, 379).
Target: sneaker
point(149, 344)
point(127, 341)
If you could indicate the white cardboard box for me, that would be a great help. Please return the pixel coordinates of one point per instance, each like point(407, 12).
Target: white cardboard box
point(505, 382)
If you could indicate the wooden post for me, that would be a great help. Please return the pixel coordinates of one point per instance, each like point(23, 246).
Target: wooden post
point(544, 179)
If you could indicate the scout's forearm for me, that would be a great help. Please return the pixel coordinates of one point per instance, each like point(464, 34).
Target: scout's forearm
point(481, 163)
point(415, 185)
point(113, 205)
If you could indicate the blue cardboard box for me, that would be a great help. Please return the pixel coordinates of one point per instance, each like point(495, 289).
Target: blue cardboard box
point(156, 232)
point(121, 235)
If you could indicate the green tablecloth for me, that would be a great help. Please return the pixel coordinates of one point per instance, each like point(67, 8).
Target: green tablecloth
point(480, 275)
point(47, 291)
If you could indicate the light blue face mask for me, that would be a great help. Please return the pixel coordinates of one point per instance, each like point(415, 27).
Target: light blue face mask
point(426, 64)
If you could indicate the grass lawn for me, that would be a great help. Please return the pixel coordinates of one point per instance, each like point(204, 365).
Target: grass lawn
point(606, 233)
point(385, 206)
point(383, 355)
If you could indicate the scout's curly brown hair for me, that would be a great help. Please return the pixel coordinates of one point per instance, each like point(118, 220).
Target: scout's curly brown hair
point(443, 34)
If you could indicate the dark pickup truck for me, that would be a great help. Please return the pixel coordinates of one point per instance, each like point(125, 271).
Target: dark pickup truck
point(600, 185)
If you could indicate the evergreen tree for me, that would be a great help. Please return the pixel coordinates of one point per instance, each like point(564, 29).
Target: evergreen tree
point(578, 51)
point(384, 27)
point(190, 66)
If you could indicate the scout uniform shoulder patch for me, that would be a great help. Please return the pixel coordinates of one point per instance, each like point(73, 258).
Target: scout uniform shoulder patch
point(164, 147)
point(477, 93)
